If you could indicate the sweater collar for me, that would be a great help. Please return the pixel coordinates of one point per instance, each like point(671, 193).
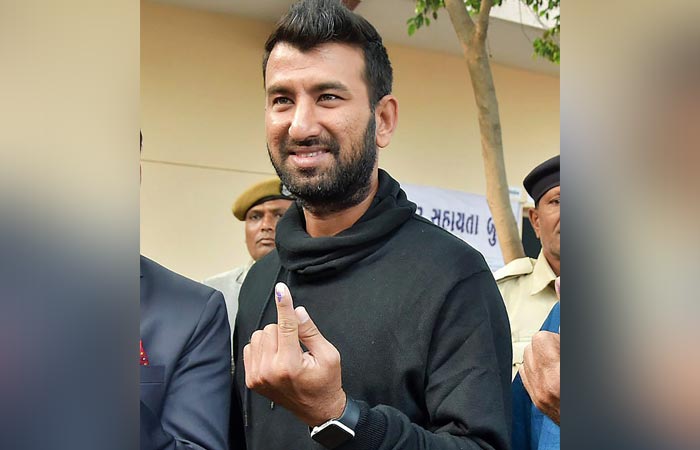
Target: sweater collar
point(321, 256)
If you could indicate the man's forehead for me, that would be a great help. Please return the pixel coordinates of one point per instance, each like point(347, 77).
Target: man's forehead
point(275, 203)
point(556, 190)
point(285, 60)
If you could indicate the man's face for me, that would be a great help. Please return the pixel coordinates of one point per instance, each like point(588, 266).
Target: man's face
point(545, 222)
point(320, 128)
point(260, 223)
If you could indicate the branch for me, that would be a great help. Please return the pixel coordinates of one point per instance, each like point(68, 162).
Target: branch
point(461, 22)
point(482, 25)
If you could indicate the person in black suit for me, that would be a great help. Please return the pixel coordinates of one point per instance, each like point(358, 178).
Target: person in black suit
point(185, 362)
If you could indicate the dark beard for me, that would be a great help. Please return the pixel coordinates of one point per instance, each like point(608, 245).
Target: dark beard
point(345, 185)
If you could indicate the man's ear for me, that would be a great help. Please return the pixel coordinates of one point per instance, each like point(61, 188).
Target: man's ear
point(535, 220)
point(386, 115)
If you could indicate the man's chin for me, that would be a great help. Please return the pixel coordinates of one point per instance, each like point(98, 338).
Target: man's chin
point(307, 182)
point(302, 174)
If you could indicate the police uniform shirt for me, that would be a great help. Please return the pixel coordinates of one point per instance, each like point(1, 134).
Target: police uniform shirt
point(527, 287)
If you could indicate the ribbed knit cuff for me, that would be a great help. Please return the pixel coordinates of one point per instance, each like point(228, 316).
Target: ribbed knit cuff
point(369, 432)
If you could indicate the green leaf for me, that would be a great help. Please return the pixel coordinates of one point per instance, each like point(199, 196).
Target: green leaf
point(411, 28)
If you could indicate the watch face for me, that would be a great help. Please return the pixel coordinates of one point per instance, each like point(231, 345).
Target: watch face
point(332, 434)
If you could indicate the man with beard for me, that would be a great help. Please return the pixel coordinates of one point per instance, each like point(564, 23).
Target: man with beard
point(413, 312)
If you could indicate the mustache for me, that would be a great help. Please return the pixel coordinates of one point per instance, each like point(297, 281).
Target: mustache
point(330, 143)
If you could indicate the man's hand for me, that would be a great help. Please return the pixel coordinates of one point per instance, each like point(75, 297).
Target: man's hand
point(306, 383)
point(540, 373)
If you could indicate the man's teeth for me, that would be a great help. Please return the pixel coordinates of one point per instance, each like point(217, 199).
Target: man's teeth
point(308, 155)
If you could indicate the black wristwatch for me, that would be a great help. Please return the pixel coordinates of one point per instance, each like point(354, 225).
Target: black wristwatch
point(336, 432)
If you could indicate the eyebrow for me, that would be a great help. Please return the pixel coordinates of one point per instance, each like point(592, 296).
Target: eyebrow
point(276, 89)
point(331, 86)
point(256, 208)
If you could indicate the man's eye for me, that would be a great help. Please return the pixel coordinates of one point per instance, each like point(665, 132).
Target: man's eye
point(555, 201)
point(255, 217)
point(281, 101)
point(328, 97)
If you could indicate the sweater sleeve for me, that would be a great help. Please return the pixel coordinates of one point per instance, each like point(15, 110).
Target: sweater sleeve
point(468, 380)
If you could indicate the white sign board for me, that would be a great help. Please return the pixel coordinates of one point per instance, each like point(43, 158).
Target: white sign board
point(466, 216)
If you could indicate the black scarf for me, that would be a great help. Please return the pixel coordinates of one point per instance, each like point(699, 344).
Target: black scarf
point(323, 256)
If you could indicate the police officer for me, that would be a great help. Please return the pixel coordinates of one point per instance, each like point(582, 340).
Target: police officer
point(260, 207)
point(526, 284)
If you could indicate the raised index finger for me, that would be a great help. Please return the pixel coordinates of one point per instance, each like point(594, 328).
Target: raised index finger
point(287, 322)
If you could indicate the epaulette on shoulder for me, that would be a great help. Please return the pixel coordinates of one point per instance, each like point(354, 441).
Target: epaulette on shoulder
point(515, 268)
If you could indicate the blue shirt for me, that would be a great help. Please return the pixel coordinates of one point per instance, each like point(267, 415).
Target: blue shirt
point(532, 430)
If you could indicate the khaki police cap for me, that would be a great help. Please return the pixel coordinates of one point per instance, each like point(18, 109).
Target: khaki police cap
point(271, 189)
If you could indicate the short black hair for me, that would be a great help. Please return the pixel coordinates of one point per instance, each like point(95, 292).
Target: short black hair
point(310, 23)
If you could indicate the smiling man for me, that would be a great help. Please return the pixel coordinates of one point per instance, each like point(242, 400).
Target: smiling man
point(260, 207)
point(399, 338)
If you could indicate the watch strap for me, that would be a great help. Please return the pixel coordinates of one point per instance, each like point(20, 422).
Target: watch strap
point(351, 413)
point(335, 432)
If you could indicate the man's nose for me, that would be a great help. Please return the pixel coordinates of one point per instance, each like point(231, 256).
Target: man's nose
point(304, 123)
point(268, 222)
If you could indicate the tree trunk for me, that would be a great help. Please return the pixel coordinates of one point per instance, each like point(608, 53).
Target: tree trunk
point(472, 37)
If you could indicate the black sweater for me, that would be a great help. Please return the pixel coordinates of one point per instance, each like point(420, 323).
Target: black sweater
point(417, 318)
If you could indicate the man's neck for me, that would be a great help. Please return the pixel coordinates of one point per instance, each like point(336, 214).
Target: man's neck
point(554, 263)
point(323, 225)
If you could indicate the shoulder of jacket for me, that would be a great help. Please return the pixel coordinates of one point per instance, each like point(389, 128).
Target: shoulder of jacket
point(164, 286)
point(428, 237)
point(516, 268)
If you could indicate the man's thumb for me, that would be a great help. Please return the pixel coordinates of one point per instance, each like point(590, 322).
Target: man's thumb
point(308, 332)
